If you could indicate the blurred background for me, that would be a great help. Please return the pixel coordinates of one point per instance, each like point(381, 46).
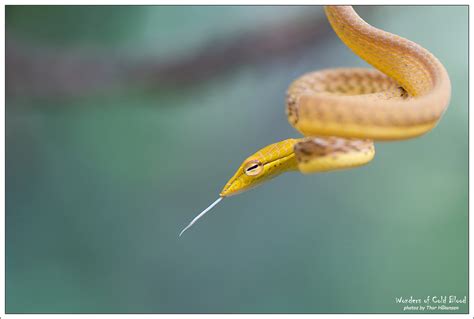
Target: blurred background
point(124, 122)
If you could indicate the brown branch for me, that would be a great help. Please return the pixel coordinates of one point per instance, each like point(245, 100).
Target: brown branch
point(220, 56)
point(45, 72)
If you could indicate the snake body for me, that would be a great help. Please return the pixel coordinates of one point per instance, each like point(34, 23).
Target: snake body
point(342, 111)
point(366, 103)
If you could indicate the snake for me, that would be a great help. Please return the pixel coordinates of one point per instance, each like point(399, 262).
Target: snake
point(341, 111)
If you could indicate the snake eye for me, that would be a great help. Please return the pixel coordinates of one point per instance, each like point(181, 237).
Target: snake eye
point(253, 168)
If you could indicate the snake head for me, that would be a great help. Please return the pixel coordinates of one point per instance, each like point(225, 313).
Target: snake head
point(265, 164)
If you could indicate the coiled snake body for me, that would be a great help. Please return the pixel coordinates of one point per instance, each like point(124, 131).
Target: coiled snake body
point(342, 111)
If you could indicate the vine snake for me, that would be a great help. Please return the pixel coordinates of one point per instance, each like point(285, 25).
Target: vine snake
point(342, 111)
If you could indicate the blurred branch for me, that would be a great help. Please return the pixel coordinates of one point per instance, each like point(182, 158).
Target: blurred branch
point(45, 72)
point(252, 48)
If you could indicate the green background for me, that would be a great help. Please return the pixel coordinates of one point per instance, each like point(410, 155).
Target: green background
point(102, 176)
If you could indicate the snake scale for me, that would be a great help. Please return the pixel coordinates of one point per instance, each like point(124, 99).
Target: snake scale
point(342, 111)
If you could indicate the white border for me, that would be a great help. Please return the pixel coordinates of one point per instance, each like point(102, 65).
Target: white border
point(2, 169)
point(219, 2)
point(234, 2)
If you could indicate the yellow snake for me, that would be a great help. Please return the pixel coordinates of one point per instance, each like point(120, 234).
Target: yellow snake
point(341, 111)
